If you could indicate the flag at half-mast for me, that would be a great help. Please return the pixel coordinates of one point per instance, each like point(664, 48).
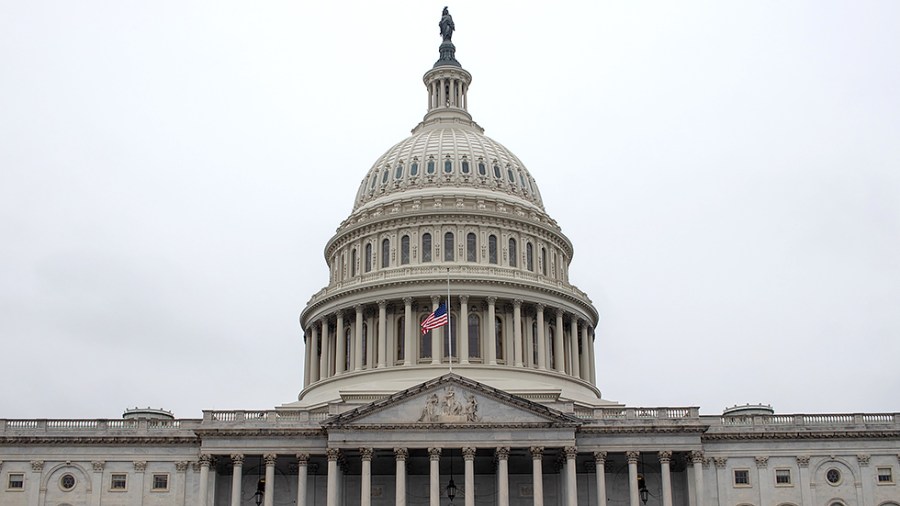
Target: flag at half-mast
point(436, 319)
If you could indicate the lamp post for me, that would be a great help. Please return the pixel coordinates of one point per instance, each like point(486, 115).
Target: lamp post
point(451, 487)
point(260, 485)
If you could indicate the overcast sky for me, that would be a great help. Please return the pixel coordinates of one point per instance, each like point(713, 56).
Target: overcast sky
point(729, 173)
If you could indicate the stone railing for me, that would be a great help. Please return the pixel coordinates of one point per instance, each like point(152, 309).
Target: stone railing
point(643, 415)
point(269, 417)
point(99, 426)
point(814, 421)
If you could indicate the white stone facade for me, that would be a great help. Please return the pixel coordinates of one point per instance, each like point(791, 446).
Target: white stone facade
point(510, 411)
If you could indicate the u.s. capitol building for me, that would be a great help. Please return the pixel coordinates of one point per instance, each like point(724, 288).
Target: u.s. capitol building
point(504, 409)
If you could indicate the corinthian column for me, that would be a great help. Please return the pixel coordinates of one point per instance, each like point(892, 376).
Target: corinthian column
point(269, 498)
point(665, 457)
point(409, 353)
point(697, 459)
point(237, 461)
point(541, 340)
point(571, 476)
point(633, 478)
point(365, 498)
point(517, 333)
point(203, 493)
point(537, 474)
point(331, 494)
point(358, 340)
point(492, 331)
point(339, 344)
point(573, 343)
point(600, 459)
point(400, 454)
point(463, 334)
point(302, 468)
point(559, 357)
point(382, 333)
point(434, 489)
point(502, 455)
point(469, 458)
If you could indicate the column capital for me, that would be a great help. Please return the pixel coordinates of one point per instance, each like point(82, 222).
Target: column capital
point(237, 459)
point(468, 453)
point(537, 452)
point(720, 462)
point(491, 300)
point(517, 303)
point(205, 459)
point(401, 454)
point(270, 458)
point(302, 459)
point(37, 465)
point(560, 312)
point(600, 457)
point(633, 456)
point(502, 453)
point(407, 301)
point(434, 454)
point(359, 308)
point(863, 460)
point(464, 299)
point(366, 454)
point(339, 313)
point(571, 452)
point(762, 462)
point(697, 457)
point(96, 464)
point(382, 304)
point(140, 465)
point(182, 465)
point(539, 308)
point(333, 454)
point(665, 456)
point(803, 460)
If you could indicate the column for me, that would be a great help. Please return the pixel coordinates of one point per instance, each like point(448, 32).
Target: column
point(237, 461)
point(541, 339)
point(573, 343)
point(697, 460)
point(139, 467)
point(302, 469)
point(463, 334)
point(400, 455)
point(558, 355)
point(469, 458)
point(331, 497)
point(571, 476)
point(722, 480)
point(434, 489)
point(600, 459)
point(371, 334)
point(502, 454)
point(864, 492)
point(537, 474)
point(517, 332)
point(365, 479)
point(665, 458)
point(633, 491)
point(358, 339)
point(805, 489)
point(326, 349)
point(436, 334)
point(382, 333)
point(442, 95)
point(409, 353)
point(585, 353)
point(492, 331)
point(593, 376)
point(97, 481)
point(269, 497)
point(307, 356)
point(528, 337)
point(763, 484)
point(339, 344)
point(181, 468)
point(203, 494)
point(314, 350)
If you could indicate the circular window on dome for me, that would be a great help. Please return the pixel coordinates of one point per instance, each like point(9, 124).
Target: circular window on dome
point(67, 482)
point(833, 476)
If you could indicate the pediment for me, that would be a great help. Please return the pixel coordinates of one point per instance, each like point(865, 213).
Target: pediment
point(452, 401)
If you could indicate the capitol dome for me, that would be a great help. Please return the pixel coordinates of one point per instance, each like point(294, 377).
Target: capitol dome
point(448, 209)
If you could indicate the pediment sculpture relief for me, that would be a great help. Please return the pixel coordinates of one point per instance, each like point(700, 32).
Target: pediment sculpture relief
point(447, 408)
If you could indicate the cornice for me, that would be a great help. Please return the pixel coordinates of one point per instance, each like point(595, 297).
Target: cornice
point(259, 432)
point(431, 427)
point(100, 440)
point(805, 436)
point(643, 429)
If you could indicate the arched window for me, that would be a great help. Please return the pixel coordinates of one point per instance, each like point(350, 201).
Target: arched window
point(374, 181)
point(496, 171)
point(471, 248)
point(385, 253)
point(512, 253)
point(348, 342)
point(401, 338)
point(482, 170)
point(414, 169)
point(543, 261)
point(404, 250)
point(448, 247)
point(429, 168)
point(498, 336)
point(399, 172)
point(529, 257)
point(424, 341)
point(353, 256)
point(448, 166)
point(509, 174)
point(368, 255)
point(426, 247)
point(365, 344)
point(492, 249)
point(553, 265)
point(474, 336)
point(385, 174)
point(465, 166)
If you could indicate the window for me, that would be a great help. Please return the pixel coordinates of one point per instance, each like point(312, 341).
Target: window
point(543, 261)
point(465, 166)
point(512, 253)
point(509, 175)
point(399, 172)
point(404, 250)
point(368, 256)
point(67, 482)
point(384, 175)
point(426, 247)
point(430, 167)
point(498, 334)
point(782, 477)
point(374, 180)
point(385, 253)
point(414, 169)
point(471, 248)
point(497, 171)
point(15, 481)
point(741, 478)
point(401, 338)
point(160, 482)
point(448, 166)
point(529, 257)
point(348, 342)
point(353, 262)
point(482, 170)
point(474, 336)
point(551, 340)
point(885, 475)
point(118, 481)
point(833, 476)
point(365, 344)
point(448, 247)
point(492, 249)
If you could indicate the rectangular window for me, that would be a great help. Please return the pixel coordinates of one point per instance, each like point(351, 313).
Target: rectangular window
point(160, 482)
point(885, 475)
point(783, 477)
point(118, 481)
point(16, 481)
point(741, 477)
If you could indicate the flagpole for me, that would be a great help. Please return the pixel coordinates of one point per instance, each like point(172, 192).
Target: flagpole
point(449, 326)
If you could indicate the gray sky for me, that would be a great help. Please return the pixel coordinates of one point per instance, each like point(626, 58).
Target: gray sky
point(170, 172)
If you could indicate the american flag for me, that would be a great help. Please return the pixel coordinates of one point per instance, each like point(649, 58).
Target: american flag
point(435, 319)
